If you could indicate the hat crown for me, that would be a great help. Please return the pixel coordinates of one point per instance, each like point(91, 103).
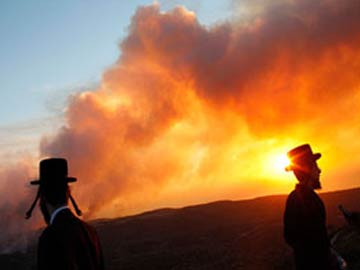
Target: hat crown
point(300, 156)
point(53, 168)
point(301, 151)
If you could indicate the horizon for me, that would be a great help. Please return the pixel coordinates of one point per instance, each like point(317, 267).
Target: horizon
point(214, 202)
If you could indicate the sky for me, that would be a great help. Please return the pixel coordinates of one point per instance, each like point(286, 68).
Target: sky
point(62, 47)
point(171, 103)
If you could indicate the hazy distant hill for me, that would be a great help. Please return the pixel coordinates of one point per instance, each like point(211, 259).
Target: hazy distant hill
point(220, 235)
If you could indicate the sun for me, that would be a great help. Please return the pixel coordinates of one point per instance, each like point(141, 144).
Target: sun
point(275, 163)
point(280, 162)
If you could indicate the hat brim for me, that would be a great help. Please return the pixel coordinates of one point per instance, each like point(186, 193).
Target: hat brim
point(67, 180)
point(314, 158)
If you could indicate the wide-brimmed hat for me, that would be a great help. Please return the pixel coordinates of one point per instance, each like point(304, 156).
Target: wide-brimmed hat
point(301, 156)
point(53, 174)
point(53, 171)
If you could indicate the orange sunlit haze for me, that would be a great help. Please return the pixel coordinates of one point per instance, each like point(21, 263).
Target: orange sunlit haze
point(191, 114)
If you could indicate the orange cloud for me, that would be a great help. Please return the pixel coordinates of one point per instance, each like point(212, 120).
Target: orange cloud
point(197, 106)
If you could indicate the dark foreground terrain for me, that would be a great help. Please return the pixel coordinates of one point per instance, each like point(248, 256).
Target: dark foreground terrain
point(220, 235)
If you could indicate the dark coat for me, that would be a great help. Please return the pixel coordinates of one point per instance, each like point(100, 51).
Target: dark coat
point(69, 244)
point(305, 229)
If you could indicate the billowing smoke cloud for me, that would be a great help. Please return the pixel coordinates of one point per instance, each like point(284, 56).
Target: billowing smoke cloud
point(183, 96)
point(15, 231)
point(188, 112)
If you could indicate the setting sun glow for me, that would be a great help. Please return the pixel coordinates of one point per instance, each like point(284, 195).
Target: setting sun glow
point(275, 164)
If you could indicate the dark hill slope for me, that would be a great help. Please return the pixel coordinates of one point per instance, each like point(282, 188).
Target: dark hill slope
point(220, 235)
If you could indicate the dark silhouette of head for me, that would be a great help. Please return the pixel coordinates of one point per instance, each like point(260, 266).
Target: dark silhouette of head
point(53, 196)
point(304, 166)
point(53, 186)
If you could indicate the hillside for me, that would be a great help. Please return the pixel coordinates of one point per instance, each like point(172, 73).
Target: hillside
point(219, 235)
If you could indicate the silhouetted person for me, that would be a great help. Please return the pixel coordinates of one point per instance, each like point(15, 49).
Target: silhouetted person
point(305, 217)
point(67, 243)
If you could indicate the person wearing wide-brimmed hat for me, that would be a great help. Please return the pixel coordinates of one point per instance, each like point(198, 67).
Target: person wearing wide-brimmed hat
point(68, 242)
point(305, 217)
